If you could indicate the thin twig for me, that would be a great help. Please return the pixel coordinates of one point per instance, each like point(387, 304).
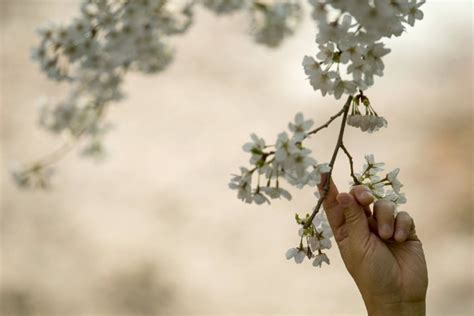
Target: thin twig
point(344, 111)
point(65, 148)
point(351, 163)
point(325, 125)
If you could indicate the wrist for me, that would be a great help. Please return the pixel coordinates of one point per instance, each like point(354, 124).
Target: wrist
point(397, 308)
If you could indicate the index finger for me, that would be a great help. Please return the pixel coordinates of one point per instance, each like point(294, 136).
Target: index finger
point(330, 200)
point(334, 212)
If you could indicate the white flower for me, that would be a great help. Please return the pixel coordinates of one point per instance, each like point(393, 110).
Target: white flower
point(256, 148)
point(326, 53)
point(354, 120)
point(374, 55)
point(311, 66)
point(300, 127)
point(370, 177)
point(334, 31)
point(323, 230)
point(395, 183)
point(243, 184)
point(285, 147)
point(351, 51)
point(319, 9)
point(343, 86)
point(397, 198)
point(259, 198)
point(372, 165)
point(367, 123)
point(323, 81)
point(298, 254)
point(319, 259)
point(276, 193)
point(359, 68)
point(298, 163)
point(314, 177)
point(414, 13)
point(377, 188)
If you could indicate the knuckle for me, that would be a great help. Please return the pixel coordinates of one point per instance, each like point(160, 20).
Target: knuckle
point(384, 206)
point(359, 188)
point(404, 216)
point(403, 219)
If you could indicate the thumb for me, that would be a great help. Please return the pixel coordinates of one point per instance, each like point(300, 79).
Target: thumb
point(356, 221)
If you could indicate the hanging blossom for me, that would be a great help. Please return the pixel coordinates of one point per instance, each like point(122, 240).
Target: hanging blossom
point(314, 238)
point(369, 121)
point(287, 159)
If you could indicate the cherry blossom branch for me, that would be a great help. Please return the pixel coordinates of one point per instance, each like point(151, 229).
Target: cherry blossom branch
point(37, 172)
point(325, 125)
point(351, 163)
point(339, 144)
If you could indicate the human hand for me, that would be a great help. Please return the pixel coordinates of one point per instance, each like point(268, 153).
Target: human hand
point(380, 250)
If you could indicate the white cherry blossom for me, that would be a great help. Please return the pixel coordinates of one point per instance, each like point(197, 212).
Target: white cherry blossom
point(300, 127)
point(319, 259)
point(256, 148)
point(297, 254)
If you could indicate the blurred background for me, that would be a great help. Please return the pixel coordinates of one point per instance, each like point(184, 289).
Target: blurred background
point(154, 229)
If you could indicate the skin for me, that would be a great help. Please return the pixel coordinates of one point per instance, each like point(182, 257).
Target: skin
point(381, 251)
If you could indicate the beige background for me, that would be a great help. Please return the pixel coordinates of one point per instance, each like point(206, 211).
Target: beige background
point(154, 229)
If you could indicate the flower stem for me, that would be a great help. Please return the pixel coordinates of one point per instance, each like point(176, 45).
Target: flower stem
point(65, 148)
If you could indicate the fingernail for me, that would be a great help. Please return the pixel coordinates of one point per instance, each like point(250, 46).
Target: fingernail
point(400, 234)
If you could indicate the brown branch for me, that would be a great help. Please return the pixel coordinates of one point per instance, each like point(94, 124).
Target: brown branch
point(344, 111)
point(65, 148)
point(351, 163)
point(325, 125)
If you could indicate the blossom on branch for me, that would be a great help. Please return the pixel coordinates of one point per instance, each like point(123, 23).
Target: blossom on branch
point(350, 35)
point(371, 176)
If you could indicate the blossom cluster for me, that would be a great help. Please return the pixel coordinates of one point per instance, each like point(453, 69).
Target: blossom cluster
point(94, 52)
point(370, 121)
point(273, 21)
point(385, 187)
point(350, 36)
point(287, 159)
point(314, 238)
point(224, 6)
point(36, 176)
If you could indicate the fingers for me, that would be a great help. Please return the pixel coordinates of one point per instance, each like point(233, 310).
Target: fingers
point(384, 213)
point(355, 219)
point(399, 227)
point(404, 227)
